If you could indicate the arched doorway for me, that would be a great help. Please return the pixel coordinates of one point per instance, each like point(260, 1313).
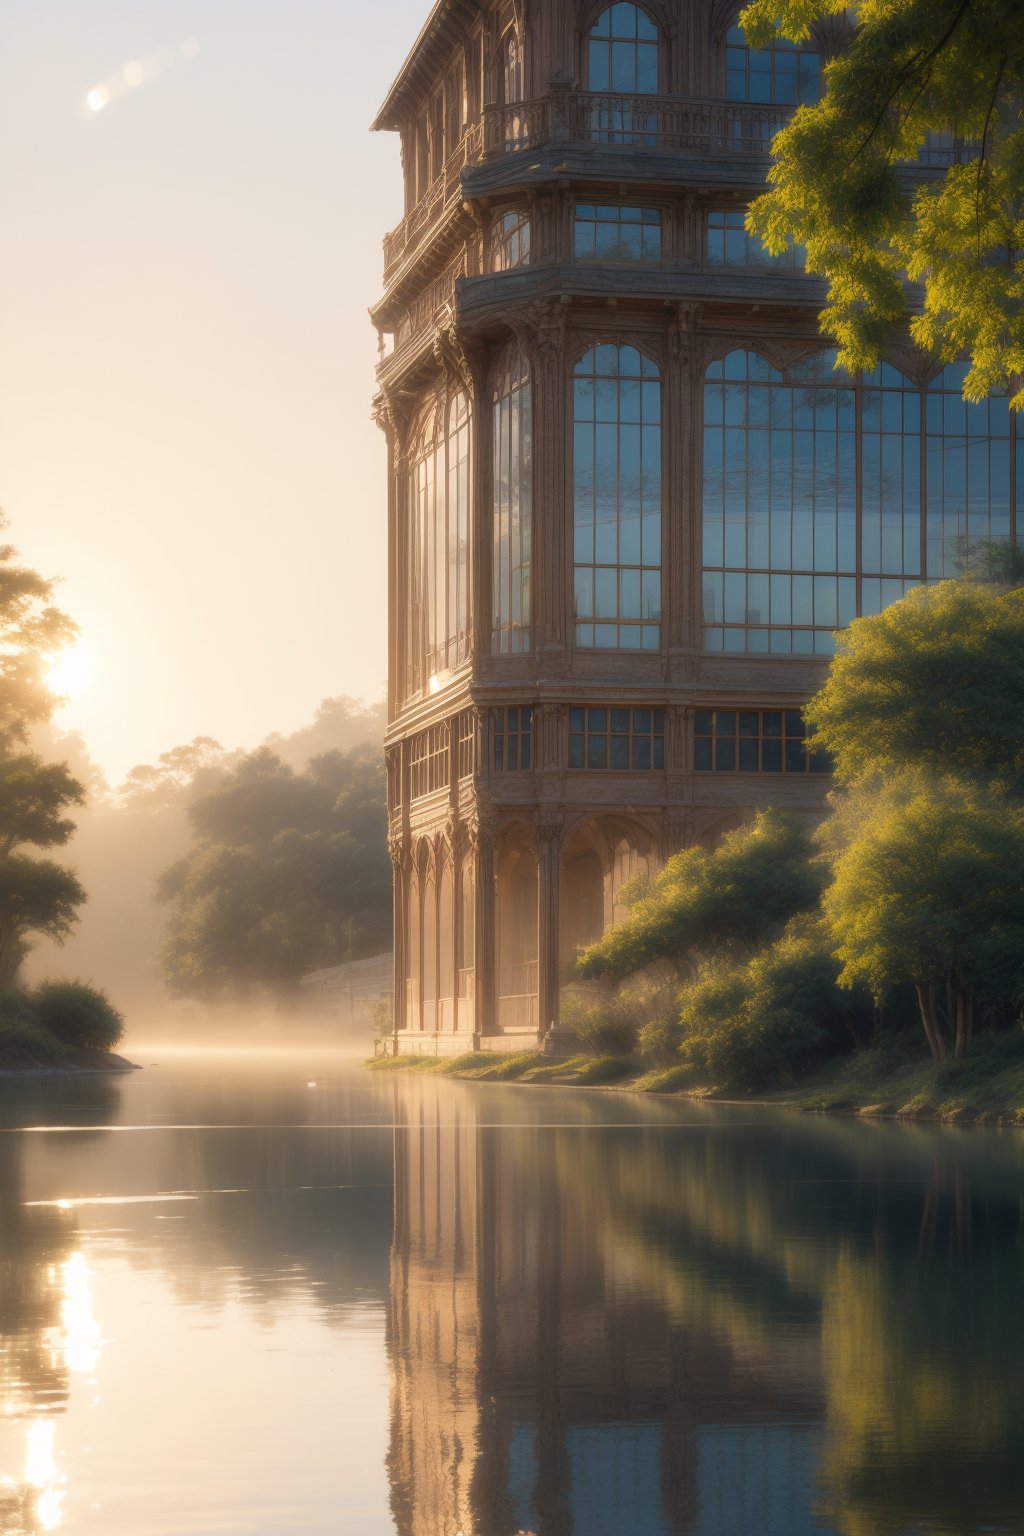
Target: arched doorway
point(516, 927)
point(600, 858)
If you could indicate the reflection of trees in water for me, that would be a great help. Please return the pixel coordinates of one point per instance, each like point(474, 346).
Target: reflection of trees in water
point(313, 1219)
point(884, 1261)
point(667, 1288)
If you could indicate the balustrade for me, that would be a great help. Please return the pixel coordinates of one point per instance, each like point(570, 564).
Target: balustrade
point(702, 126)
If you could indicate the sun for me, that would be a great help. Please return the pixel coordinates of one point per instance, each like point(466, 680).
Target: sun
point(70, 671)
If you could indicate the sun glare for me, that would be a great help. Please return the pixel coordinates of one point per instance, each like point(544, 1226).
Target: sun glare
point(71, 671)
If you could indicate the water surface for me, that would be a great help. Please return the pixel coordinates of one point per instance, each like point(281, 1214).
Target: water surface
point(283, 1295)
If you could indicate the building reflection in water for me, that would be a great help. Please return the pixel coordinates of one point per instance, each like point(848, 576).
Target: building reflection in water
point(802, 1328)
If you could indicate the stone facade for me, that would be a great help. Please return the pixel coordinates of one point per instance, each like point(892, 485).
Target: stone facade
point(562, 689)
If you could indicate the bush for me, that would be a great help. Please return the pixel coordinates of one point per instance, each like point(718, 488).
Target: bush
point(608, 1025)
point(765, 1021)
point(77, 1014)
point(16, 1011)
point(23, 1040)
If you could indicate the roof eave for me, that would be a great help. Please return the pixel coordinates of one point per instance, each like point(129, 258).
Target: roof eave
point(389, 115)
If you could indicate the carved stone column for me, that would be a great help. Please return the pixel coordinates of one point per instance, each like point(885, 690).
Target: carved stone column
point(481, 833)
point(398, 849)
point(481, 533)
point(549, 852)
point(545, 339)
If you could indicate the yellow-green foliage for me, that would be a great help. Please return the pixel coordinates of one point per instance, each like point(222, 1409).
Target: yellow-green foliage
point(841, 185)
point(705, 901)
point(930, 884)
point(612, 1023)
point(935, 680)
point(765, 1020)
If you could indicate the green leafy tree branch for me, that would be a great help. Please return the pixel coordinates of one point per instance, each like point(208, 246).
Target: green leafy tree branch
point(845, 184)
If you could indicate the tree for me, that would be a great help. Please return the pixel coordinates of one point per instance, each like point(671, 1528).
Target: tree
point(937, 680)
point(929, 889)
point(705, 900)
point(289, 872)
point(32, 631)
point(841, 184)
point(37, 896)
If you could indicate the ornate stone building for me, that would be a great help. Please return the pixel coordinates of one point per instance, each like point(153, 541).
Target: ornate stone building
point(630, 501)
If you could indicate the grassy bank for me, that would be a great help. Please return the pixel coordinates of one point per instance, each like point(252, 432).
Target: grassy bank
point(986, 1088)
point(36, 1050)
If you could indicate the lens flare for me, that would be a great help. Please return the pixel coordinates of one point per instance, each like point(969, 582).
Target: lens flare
point(138, 72)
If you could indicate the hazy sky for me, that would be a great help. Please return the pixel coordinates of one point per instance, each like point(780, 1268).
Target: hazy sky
point(186, 362)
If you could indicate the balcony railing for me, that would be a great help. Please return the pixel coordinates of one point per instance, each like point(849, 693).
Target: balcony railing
point(444, 187)
point(674, 122)
point(564, 116)
point(430, 302)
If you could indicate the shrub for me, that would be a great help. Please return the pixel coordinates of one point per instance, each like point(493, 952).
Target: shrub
point(16, 1011)
point(765, 1021)
point(609, 1025)
point(23, 1040)
point(77, 1014)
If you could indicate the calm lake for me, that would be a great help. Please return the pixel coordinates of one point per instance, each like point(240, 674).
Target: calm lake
point(284, 1295)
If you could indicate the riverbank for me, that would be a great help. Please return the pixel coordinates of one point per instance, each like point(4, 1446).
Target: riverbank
point(985, 1089)
point(24, 1052)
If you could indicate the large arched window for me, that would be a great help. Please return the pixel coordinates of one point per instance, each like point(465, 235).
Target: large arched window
point(622, 52)
point(437, 572)
point(510, 241)
point(968, 470)
point(513, 81)
point(623, 63)
point(617, 499)
point(512, 507)
point(784, 75)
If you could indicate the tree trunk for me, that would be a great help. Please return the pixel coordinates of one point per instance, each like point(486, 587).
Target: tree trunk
point(925, 1003)
point(935, 1014)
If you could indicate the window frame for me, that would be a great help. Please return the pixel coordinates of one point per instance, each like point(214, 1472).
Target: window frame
point(619, 626)
point(891, 480)
point(517, 732)
point(590, 214)
point(589, 738)
point(590, 37)
point(791, 739)
point(501, 238)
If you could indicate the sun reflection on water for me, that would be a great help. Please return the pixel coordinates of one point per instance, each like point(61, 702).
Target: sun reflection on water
point(41, 1473)
point(73, 1345)
point(80, 1341)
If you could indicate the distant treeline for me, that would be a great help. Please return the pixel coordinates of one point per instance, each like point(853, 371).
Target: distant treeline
point(224, 876)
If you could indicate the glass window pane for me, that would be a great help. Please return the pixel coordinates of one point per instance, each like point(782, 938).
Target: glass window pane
point(725, 755)
point(771, 757)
